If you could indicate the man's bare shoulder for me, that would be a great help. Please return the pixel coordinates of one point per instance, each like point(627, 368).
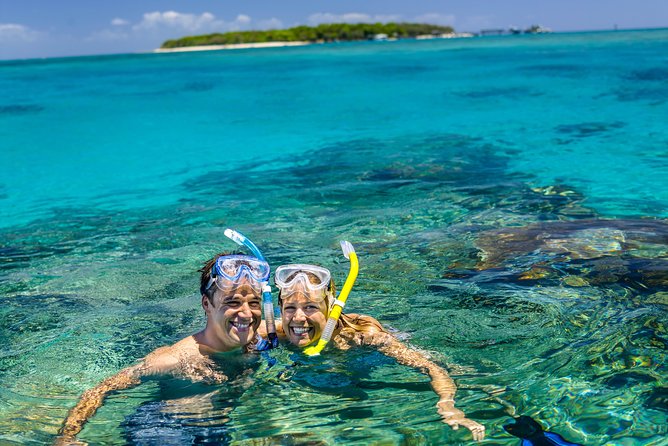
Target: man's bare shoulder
point(165, 360)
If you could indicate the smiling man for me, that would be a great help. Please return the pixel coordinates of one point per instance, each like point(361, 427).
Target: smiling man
point(231, 288)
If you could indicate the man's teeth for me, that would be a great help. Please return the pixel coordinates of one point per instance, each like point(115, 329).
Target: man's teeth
point(241, 324)
point(300, 330)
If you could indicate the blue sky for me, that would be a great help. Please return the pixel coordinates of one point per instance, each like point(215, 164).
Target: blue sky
point(51, 28)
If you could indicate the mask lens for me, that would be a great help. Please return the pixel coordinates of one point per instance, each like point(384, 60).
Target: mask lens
point(301, 286)
point(311, 279)
point(231, 271)
point(228, 286)
point(232, 267)
point(260, 270)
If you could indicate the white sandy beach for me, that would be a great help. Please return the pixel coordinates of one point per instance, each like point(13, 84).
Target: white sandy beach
point(235, 46)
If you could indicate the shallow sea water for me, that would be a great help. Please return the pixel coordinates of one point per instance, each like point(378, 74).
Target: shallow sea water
point(507, 196)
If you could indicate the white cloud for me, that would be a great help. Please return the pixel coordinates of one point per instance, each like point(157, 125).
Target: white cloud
point(350, 17)
point(119, 22)
point(155, 27)
point(243, 19)
point(357, 17)
point(177, 21)
point(434, 18)
point(272, 23)
point(13, 32)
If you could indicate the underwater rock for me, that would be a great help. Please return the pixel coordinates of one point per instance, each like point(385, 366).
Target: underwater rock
point(660, 298)
point(658, 399)
point(627, 379)
point(578, 253)
point(572, 240)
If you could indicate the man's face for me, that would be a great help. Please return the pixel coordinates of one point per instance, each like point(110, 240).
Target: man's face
point(235, 315)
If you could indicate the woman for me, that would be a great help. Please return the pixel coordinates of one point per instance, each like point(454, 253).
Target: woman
point(306, 295)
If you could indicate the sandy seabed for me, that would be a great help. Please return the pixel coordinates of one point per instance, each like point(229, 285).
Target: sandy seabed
point(235, 46)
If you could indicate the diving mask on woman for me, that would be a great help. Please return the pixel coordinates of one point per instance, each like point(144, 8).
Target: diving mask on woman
point(310, 279)
point(230, 271)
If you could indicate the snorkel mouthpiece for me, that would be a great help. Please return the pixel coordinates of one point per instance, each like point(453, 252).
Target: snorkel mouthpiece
point(347, 248)
point(267, 302)
point(339, 303)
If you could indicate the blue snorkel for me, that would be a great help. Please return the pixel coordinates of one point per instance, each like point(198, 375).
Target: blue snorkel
point(267, 302)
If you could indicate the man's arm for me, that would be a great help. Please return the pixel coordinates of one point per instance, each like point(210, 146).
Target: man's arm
point(93, 398)
point(441, 382)
point(159, 362)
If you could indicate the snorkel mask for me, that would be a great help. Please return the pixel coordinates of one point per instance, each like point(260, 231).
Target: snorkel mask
point(261, 276)
point(295, 278)
point(229, 272)
point(339, 303)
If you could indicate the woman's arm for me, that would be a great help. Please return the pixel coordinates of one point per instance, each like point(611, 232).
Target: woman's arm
point(441, 382)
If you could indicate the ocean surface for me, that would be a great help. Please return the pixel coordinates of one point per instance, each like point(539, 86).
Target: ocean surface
point(508, 197)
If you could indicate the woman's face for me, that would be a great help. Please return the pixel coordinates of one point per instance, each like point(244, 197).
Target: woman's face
point(304, 317)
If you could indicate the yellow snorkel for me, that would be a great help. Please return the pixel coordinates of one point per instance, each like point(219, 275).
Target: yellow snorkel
point(339, 303)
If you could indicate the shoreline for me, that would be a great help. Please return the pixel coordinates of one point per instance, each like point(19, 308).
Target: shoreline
point(231, 46)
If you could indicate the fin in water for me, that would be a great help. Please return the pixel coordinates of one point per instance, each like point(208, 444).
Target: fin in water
point(532, 433)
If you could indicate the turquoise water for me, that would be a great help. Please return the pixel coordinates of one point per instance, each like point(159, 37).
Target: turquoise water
point(508, 198)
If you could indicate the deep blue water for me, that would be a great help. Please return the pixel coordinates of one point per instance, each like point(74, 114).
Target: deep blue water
point(507, 195)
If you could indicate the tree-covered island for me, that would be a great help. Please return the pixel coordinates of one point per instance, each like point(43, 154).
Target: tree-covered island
point(331, 32)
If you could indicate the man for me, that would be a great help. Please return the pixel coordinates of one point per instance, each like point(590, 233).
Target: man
point(231, 288)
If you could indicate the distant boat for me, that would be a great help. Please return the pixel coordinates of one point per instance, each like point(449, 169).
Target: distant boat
point(537, 29)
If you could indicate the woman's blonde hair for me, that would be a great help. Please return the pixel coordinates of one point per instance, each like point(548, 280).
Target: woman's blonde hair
point(359, 323)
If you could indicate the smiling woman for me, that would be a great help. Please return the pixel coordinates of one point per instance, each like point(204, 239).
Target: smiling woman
point(306, 297)
point(231, 291)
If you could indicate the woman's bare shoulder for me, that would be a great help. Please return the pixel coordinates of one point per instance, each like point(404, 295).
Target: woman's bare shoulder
point(363, 318)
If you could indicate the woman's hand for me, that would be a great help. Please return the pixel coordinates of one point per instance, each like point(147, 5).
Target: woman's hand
point(61, 440)
point(454, 418)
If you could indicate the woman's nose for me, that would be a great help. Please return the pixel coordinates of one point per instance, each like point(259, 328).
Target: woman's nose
point(299, 315)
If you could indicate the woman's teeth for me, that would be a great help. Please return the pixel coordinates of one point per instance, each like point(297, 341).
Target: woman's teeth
point(300, 330)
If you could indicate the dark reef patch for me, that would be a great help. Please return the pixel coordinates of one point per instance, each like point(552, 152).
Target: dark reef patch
point(20, 109)
point(587, 129)
point(656, 95)
point(650, 74)
point(554, 69)
point(198, 86)
point(364, 168)
point(510, 92)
